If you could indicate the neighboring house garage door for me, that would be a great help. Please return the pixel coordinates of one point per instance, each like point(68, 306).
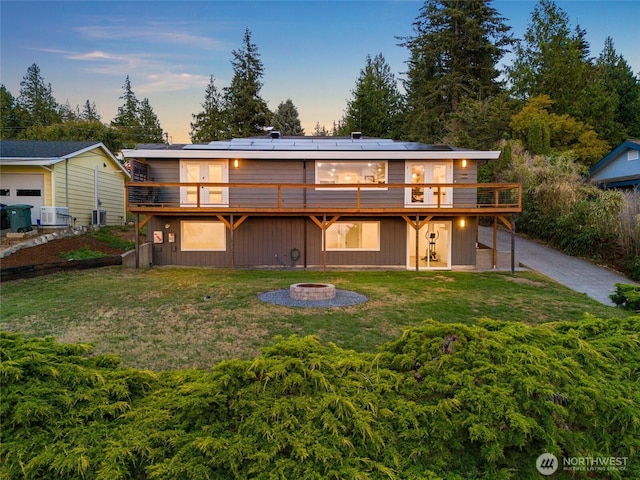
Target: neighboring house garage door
point(24, 189)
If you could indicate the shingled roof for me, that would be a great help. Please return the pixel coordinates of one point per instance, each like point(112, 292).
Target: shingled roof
point(41, 148)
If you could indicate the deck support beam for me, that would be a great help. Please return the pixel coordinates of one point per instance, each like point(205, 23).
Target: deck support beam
point(417, 225)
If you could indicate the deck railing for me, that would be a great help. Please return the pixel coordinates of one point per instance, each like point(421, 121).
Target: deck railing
point(300, 198)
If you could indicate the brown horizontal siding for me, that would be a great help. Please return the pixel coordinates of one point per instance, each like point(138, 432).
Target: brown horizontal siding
point(258, 240)
point(255, 171)
point(393, 246)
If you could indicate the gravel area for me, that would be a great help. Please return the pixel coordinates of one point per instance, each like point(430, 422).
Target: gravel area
point(343, 298)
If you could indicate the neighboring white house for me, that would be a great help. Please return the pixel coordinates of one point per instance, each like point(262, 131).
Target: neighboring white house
point(78, 183)
point(620, 168)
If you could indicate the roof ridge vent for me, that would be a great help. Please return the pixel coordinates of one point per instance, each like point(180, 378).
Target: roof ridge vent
point(274, 134)
point(356, 135)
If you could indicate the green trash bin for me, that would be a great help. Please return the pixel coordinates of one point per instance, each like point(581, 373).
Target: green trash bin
point(19, 217)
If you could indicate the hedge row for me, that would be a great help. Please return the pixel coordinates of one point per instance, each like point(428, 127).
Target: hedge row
point(443, 401)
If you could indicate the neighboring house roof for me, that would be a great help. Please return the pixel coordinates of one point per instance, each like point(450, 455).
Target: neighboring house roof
point(620, 168)
point(46, 153)
point(309, 148)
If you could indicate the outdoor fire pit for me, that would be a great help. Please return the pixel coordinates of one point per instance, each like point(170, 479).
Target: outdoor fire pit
point(312, 291)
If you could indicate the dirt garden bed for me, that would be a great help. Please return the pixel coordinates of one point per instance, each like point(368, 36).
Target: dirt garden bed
point(51, 253)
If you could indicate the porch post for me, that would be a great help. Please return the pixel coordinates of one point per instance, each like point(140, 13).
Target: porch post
point(324, 242)
point(417, 242)
point(232, 229)
point(137, 239)
point(513, 245)
point(495, 241)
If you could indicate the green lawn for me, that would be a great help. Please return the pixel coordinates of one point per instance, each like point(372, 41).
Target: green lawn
point(159, 319)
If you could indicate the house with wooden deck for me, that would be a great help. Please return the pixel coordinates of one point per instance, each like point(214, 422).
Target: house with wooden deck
point(620, 168)
point(315, 202)
point(65, 182)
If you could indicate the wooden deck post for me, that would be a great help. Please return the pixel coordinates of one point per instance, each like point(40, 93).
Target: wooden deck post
point(324, 242)
point(417, 242)
point(495, 241)
point(513, 245)
point(137, 239)
point(231, 230)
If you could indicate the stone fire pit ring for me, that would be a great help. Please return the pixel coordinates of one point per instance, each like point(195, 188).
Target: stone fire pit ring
point(318, 295)
point(312, 291)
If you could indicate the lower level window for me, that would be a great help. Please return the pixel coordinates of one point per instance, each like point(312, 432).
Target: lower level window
point(354, 236)
point(203, 236)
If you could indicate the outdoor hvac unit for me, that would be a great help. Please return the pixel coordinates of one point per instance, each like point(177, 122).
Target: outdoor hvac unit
point(99, 217)
point(54, 216)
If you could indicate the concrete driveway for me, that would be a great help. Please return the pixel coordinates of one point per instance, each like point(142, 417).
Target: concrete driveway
point(575, 273)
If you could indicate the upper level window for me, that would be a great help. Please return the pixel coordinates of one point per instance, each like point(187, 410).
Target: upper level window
point(632, 155)
point(352, 172)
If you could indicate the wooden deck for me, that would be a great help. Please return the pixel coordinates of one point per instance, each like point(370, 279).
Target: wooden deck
point(283, 199)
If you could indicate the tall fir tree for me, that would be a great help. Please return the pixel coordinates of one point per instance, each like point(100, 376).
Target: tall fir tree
point(150, 129)
point(376, 105)
point(453, 56)
point(90, 112)
point(286, 119)
point(128, 112)
point(618, 79)
point(248, 112)
point(12, 117)
point(36, 99)
point(211, 123)
point(552, 60)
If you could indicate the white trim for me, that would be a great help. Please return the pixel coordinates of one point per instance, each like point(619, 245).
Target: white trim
point(313, 155)
point(225, 179)
point(411, 251)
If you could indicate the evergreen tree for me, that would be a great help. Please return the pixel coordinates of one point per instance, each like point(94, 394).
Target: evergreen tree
point(553, 61)
point(12, 116)
point(127, 120)
point(453, 55)
point(76, 130)
point(68, 113)
point(286, 120)
point(210, 124)
point(480, 124)
point(90, 112)
point(150, 129)
point(248, 112)
point(36, 99)
point(618, 79)
point(376, 103)
point(320, 131)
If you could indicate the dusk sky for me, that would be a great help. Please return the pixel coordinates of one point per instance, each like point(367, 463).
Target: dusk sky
point(312, 51)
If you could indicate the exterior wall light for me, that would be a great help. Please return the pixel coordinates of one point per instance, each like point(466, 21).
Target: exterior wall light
point(462, 223)
point(464, 164)
point(235, 163)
